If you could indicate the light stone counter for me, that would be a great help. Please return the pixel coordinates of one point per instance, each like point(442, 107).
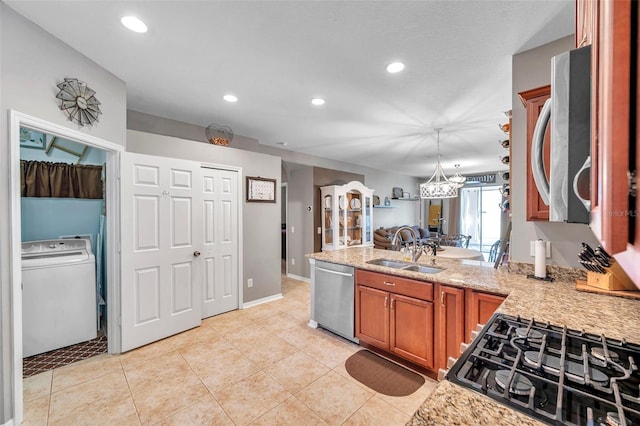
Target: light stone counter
point(557, 302)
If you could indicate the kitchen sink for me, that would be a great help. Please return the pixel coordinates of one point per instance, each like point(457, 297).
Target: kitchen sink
point(423, 269)
point(388, 263)
point(405, 266)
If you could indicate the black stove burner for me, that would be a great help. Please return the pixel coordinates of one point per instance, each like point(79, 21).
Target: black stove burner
point(520, 385)
point(557, 375)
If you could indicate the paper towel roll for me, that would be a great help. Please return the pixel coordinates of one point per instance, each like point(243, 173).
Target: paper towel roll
point(540, 259)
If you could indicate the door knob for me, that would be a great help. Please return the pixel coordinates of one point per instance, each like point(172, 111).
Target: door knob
point(196, 253)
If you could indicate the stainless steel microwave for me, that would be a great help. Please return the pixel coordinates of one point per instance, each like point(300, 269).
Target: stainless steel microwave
point(566, 190)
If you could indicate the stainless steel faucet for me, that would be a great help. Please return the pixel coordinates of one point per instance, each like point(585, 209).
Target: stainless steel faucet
point(416, 252)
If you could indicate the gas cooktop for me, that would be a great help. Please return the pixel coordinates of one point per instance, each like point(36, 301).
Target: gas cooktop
point(557, 375)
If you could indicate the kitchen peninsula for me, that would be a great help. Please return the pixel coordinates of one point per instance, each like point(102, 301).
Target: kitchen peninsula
point(555, 302)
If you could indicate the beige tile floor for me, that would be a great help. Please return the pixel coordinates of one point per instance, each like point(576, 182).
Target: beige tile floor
point(260, 366)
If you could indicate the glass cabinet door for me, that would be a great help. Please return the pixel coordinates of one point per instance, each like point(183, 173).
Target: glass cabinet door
point(366, 220)
point(328, 220)
point(342, 232)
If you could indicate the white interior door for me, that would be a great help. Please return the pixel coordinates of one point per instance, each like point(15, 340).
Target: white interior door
point(161, 225)
point(220, 210)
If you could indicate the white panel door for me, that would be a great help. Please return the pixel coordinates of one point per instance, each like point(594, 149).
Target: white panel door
point(161, 224)
point(220, 242)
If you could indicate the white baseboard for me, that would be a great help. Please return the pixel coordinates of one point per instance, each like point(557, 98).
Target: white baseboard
point(299, 278)
point(312, 324)
point(9, 423)
point(261, 301)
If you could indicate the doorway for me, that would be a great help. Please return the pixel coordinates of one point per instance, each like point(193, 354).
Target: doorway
point(17, 121)
point(480, 216)
point(63, 251)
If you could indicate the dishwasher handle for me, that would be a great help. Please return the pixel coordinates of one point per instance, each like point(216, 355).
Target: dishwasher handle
point(346, 274)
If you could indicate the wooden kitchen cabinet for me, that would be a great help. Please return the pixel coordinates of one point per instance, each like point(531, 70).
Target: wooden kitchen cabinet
point(372, 316)
point(609, 27)
point(411, 332)
point(480, 307)
point(533, 101)
point(450, 323)
point(395, 314)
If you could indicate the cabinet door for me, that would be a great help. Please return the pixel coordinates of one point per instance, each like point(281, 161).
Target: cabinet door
point(533, 100)
point(372, 316)
point(449, 323)
point(481, 307)
point(611, 149)
point(411, 334)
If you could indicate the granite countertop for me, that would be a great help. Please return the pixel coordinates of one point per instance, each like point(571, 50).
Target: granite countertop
point(557, 302)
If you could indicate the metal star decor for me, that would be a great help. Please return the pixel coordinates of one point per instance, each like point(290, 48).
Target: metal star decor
point(78, 101)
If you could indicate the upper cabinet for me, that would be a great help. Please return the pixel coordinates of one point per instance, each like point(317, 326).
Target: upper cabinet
point(347, 219)
point(609, 27)
point(533, 101)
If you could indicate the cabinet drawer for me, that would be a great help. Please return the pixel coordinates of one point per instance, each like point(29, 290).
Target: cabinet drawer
point(399, 285)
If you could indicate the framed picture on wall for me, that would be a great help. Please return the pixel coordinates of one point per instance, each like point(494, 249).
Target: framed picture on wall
point(261, 190)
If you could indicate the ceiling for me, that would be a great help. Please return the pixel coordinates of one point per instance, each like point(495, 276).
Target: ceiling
point(275, 56)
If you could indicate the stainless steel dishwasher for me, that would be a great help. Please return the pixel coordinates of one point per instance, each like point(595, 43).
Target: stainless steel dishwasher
point(334, 298)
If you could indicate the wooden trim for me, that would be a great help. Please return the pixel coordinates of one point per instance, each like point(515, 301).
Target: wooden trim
point(527, 95)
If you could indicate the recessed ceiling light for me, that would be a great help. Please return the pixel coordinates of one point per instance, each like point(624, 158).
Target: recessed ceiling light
point(395, 67)
point(317, 101)
point(134, 24)
point(230, 98)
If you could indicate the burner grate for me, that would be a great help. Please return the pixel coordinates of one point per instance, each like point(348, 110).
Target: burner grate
point(555, 374)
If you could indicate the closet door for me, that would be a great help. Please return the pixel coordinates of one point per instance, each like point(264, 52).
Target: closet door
point(220, 241)
point(161, 243)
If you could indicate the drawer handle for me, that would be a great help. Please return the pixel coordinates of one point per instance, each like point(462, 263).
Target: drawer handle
point(385, 302)
point(442, 298)
point(389, 283)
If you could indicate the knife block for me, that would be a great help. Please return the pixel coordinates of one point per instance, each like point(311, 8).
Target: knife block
point(614, 279)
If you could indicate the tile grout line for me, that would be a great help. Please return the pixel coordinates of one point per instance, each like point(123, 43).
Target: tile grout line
point(126, 379)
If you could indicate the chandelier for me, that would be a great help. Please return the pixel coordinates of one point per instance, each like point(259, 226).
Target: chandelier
point(458, 179)
point(439, 186)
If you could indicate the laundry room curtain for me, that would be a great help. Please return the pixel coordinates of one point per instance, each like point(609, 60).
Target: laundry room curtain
point(60, 180)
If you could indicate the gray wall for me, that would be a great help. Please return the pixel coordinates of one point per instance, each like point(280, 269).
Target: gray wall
point(532, 69)
point(381, 181)
point(33, 62)
point(168, 127)
point(301, 196)
point(261, 221)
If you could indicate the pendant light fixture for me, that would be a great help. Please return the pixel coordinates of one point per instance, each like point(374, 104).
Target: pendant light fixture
point(458, 179)
point(438, 186)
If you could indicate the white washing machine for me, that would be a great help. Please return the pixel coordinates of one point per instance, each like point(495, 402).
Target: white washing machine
point(59, 294)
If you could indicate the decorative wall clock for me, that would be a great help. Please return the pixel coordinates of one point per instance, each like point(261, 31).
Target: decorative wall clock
point(78, 101)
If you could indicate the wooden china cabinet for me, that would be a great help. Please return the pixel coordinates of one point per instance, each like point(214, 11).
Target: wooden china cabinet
point(347, 216)
point(611, 27)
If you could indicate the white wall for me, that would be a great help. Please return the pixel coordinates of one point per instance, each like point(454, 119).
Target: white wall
point(532, 69)
point(32, 63)
point(261, 221)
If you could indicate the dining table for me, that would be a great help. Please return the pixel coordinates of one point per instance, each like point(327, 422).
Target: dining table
point(460, 253)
